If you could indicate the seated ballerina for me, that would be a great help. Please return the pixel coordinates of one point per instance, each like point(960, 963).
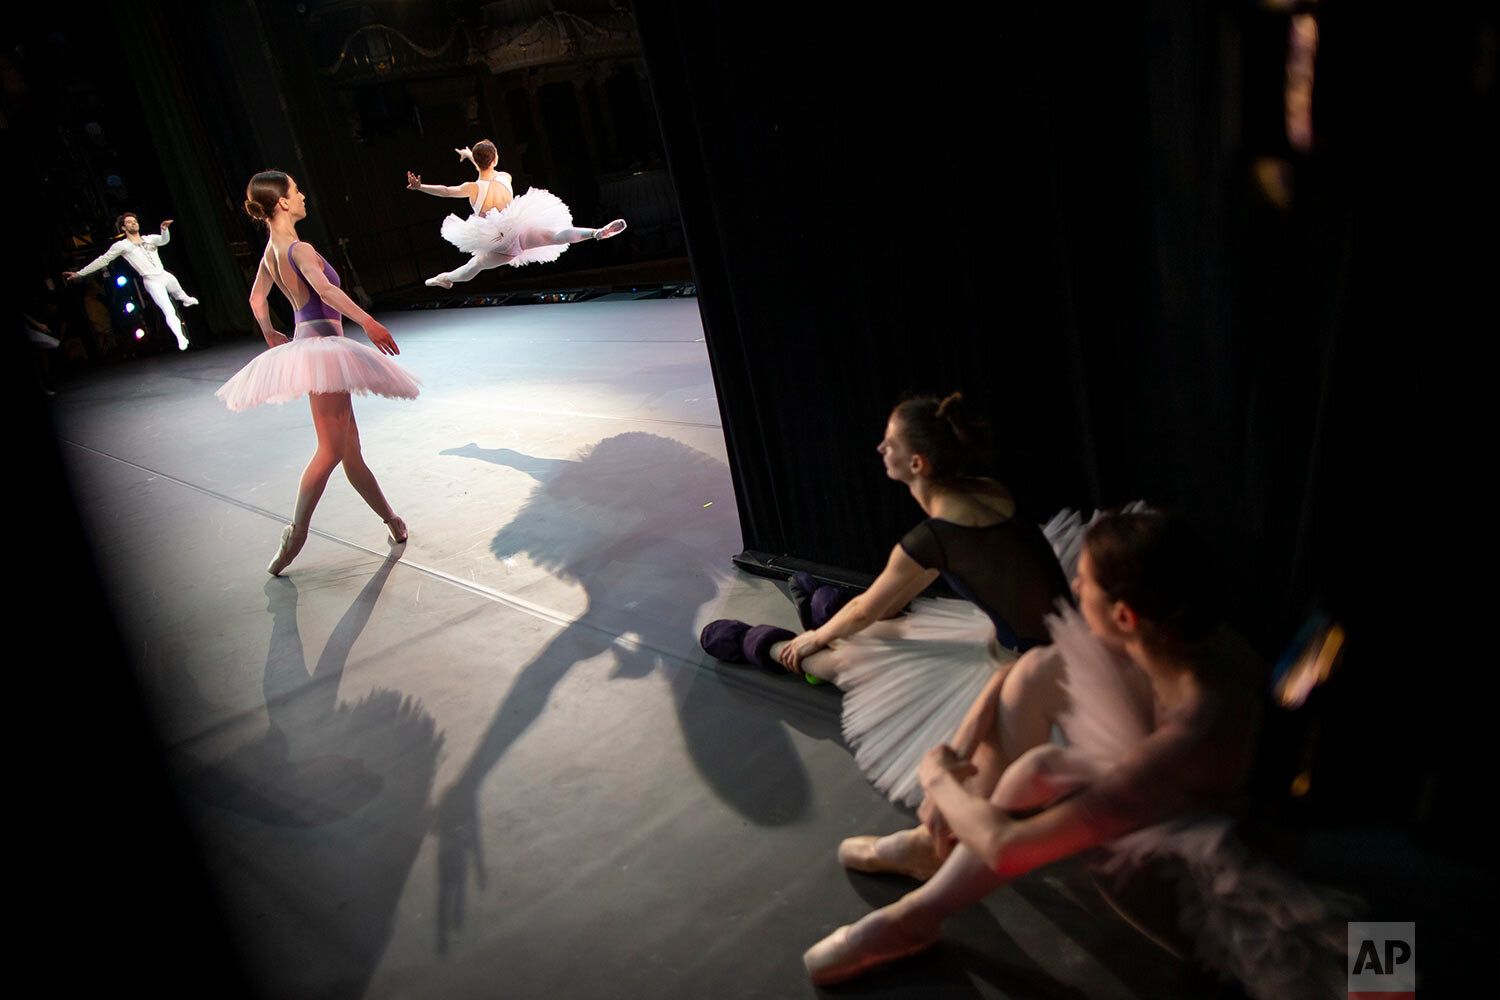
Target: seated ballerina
point(1146, 774)
point(503, 229)
point(908, 681)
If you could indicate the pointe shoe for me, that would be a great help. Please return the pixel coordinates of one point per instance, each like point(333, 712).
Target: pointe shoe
point(438, 281)
point(397, 529)
point(856, 948)
point(290, 546)
point(860, 854)
point(613, 229)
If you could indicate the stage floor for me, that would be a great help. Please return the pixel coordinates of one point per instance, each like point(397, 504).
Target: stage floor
point(495, 762)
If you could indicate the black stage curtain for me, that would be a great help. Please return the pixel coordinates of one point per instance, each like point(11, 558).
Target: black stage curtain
point(1062, 211)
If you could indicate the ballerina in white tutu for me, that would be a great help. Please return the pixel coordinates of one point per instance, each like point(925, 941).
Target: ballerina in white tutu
point(1147, 773)
point(503, 229)
point(909, 681)
point(317, 361)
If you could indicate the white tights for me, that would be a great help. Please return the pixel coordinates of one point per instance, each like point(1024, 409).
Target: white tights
point(530, 240)
point(163, 288)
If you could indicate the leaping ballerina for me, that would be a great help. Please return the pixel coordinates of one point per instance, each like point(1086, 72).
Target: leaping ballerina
point(503, 229)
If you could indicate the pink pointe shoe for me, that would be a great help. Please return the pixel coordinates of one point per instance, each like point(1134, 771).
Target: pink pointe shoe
point(439, 281)
point(859, 947)
point(613, 229)
point(397, 529)
point(291, 544)
point(912, 856)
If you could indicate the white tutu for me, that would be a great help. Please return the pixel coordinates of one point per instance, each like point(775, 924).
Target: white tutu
point(908, 683)
point(527, 220)
point(316, 361)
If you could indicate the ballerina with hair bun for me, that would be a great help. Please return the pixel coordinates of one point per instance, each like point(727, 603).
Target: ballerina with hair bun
point(504, 230)
point(317, 361)
point(910, 681)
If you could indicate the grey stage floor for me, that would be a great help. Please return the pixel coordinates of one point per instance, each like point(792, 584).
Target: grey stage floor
point(495, 762)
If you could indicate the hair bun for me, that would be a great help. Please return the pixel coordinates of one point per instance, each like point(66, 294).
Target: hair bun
point(254, 210)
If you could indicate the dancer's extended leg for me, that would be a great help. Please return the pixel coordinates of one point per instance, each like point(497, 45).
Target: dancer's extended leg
point(534, 239)
point(156, 287)
point(332, 416)
point(477, 263)
point(363, 481)
point(914, 922)
point(174, 289)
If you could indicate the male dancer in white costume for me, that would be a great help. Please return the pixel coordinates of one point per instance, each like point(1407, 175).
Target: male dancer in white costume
point(142, 254)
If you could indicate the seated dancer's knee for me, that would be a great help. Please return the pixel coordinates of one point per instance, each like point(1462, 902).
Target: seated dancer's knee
point(1040, 777)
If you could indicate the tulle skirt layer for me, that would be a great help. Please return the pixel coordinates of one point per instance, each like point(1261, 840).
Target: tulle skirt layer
point(907, 684)
point(318, 359)
point(519, 230)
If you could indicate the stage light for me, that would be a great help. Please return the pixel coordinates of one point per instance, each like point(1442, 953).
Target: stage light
point(129, 307)
point(120, 281)
point(140, 334)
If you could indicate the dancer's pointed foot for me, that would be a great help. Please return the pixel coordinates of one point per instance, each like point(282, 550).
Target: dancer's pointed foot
point(856, 948)
point(292, 541)
point(613, 229)
point(182, 343)
point(439, 281)
point(397, 528)
point(908, 853)
point(189, 301)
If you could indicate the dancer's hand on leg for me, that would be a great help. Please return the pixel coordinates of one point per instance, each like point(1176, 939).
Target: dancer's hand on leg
point(940, 760)
point(795, 649)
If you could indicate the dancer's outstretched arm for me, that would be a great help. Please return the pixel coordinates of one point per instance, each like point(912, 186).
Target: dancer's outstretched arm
point(902, 579)
point(259, 294)
point(465, 190)
point(163, 239)
point(311, 265)
point(98, 262)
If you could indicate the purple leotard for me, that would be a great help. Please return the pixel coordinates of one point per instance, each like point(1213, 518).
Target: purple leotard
point(315, 308)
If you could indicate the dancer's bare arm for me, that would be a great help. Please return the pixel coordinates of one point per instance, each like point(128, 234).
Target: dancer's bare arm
point(902, 579)
point(1010, 847)
point(311, 266)
point(465, 190)
point(260, 306)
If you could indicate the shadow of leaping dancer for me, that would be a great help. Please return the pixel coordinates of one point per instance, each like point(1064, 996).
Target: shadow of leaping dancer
point(628, 522)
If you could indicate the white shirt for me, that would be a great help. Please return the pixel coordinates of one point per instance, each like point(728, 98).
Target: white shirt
point(142, 256)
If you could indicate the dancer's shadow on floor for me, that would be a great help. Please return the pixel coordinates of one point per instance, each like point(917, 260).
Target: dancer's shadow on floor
point(318, 821)
point(645, 525)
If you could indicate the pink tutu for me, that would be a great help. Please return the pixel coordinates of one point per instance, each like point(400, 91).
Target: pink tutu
point(519, 231)
point(318, 359)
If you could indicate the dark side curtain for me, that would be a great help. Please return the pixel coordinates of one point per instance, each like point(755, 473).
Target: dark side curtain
point(1061, 210)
